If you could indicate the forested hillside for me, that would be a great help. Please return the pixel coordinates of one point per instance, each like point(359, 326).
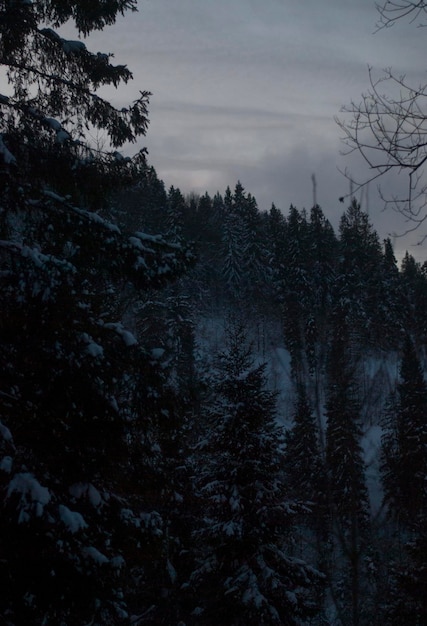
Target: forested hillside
point(210, 414)
point(334, 323)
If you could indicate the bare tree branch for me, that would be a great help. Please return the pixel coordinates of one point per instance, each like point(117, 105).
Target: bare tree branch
point(388, 128)
point(393, 10)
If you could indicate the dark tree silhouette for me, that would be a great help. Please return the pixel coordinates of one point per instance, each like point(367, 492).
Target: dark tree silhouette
point(70, 370)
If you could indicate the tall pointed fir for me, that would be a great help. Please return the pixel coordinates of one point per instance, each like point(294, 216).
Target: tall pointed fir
point(305, 469)
point(405, 461)
point(359, 278)
point(244, 254)
point(244, 572)
point(347, 493)
point(296, 289)
point(253, 243)
point(414, 284)
point(176, 209)
point(393, 311)
point(276, 243)
point(322, 255)
point(70, 510)
point(233, 249)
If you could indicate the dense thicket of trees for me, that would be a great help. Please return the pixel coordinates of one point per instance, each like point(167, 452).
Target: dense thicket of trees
point(339, 297)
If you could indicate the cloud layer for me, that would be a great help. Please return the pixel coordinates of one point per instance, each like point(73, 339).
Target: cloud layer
point(248, 89)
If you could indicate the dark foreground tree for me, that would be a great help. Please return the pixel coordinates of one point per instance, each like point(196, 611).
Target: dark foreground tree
point(70, 371)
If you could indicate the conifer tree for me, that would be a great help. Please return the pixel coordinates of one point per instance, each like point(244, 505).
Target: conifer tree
point(207, 232)
point(296, 291)
point(242, 247)
point(358, 285)
point(244, 573)
point(255, 253)
point(70, 512)
point(277, 229)
point(344, 456)
point(414, 283)
point(305, 470)
point(407, 602)
point(232, 268)
point(175, 215)
point(404, 458)
point(347, 491)
point(322, 246)
point(404, 470)
point(303, 458)
point(392, 310)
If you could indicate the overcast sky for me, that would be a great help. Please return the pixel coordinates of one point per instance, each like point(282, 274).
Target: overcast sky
point(248, 89)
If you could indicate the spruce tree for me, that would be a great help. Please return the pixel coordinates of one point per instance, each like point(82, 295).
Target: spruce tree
point(347, 491)
point(276, 243)
point(306, 475)
point(414, 284)
point(255, 249)
point(322, 258)
point(393, 312)
point(405, 441)
point(175, 214)
point(304, 466)
point(243, 251)
point(404, 470)
point(358, 284)
point(296, 288)
point(232, 251)
point(244, 573)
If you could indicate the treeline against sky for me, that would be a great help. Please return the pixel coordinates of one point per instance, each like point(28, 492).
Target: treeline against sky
point(294, 261)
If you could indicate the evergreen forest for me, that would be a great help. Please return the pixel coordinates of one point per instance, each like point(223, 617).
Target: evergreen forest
point(211, 413)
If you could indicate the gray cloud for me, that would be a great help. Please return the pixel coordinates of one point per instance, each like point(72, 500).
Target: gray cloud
point(247, 89)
